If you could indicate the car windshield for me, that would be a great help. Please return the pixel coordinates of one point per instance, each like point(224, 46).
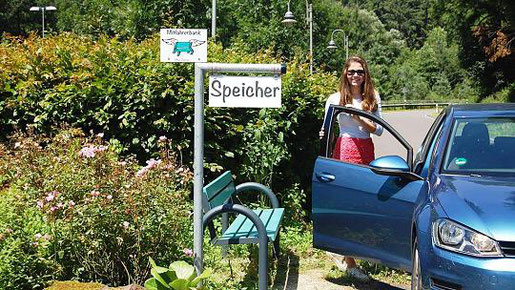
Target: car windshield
point(482, 146)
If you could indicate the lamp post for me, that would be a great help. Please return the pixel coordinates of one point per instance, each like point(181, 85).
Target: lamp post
point(289, 19)
point(332, 45)
point(213, 19)
point(42, 9)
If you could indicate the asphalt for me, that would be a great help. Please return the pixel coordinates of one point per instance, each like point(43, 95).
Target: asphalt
point(411, 125)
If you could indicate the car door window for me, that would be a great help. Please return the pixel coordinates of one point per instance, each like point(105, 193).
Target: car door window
point(425, 149)
point(390, 142)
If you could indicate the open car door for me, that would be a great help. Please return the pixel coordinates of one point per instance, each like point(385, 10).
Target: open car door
point(365, 211)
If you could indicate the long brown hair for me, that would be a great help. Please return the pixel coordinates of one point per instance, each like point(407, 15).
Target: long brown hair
point(367, 87)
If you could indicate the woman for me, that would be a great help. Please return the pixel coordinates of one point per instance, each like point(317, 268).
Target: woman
point(354, 144)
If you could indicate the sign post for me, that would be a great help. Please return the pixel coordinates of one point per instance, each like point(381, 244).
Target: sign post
point(246, 88)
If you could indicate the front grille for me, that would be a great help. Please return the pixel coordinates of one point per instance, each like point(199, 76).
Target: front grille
point(444, 285)
point(508, 248)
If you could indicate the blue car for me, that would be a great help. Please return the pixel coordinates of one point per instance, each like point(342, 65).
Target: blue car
point(447, 215)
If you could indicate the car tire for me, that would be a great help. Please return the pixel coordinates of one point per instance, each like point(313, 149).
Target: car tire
point(416, 273)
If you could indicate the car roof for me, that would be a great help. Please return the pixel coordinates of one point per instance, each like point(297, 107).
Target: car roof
point(482, 110)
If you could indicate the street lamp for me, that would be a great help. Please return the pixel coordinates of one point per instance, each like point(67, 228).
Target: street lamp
point(289, 19)
point(213, 19)
point(332, 45)
point(42, 9)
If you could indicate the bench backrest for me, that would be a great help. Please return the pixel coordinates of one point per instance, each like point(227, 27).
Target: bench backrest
point(218, 191)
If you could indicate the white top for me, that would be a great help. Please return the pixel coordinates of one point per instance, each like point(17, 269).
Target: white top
point(348, 126)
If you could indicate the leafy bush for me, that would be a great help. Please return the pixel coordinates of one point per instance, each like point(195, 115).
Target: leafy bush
point(72, 209)
point(124, 91)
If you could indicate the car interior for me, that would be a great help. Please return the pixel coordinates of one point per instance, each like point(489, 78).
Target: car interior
point(474, 149)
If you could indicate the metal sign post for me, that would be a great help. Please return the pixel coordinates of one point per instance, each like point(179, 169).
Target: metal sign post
point(198, 153)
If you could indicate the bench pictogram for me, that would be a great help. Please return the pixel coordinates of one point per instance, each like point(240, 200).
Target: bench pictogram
point(183, 46)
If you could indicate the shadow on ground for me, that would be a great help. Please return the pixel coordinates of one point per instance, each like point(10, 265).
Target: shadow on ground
point(372, 284)
point(287, 276)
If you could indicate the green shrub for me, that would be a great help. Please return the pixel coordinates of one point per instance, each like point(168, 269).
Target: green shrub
point(503, 96)
point(124, 91)
point(72, 209)
point(25, 253)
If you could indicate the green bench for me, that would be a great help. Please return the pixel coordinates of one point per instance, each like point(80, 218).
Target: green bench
point(259, 226)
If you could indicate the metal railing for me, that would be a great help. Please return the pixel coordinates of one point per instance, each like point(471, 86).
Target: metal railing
point(419, 103)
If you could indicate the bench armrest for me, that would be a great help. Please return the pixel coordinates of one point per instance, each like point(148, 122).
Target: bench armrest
point(258, 187)
point(230, 207)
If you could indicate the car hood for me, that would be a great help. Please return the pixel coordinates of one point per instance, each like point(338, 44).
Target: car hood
point(486, 205)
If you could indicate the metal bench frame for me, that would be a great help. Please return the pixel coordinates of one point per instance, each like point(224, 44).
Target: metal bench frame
point(214, 206)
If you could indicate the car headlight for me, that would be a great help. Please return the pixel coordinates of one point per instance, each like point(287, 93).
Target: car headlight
point(457, 238)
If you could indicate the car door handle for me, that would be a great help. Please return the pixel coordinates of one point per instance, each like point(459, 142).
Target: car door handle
point(325, 177)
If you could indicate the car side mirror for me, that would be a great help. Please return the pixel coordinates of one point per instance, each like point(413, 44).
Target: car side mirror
point(393, 165)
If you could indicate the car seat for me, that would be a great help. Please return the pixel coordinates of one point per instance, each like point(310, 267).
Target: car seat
point(505, 150)
point(474, 146)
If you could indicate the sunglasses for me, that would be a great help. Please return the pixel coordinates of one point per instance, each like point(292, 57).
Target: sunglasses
point(360, 72)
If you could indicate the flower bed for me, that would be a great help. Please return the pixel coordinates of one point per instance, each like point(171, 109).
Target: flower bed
point(72, 209)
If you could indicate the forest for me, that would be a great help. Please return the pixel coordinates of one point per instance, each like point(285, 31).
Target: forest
point(417, 49)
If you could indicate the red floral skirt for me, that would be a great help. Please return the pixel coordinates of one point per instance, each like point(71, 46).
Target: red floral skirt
point(354, 150)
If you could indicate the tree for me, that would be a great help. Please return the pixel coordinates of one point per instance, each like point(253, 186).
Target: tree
point(16, 19)
point(133, 18)
point(407, 16)
point(485, 30)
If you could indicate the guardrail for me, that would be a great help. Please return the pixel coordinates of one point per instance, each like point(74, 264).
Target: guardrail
point(418, 103)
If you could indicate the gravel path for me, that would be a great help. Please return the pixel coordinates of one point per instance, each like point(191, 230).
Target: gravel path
point(313, 280)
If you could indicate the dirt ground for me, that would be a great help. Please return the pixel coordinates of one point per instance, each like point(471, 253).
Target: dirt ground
point(315, 280)
point(321, 273)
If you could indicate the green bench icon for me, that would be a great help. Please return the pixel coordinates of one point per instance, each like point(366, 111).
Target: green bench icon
point(183, 46)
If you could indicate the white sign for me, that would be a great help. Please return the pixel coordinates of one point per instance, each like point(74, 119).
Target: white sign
point(183, 45)
point(244, 91)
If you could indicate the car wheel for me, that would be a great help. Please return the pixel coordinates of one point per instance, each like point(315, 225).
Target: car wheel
point(416, 274)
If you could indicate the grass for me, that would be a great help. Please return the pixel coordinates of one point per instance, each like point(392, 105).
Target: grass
point(239, 269)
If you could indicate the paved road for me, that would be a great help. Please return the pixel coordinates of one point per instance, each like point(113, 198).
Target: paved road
point(412, 125)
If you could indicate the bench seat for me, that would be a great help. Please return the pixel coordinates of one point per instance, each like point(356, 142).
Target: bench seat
point(243, 231)
point(257, 226)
